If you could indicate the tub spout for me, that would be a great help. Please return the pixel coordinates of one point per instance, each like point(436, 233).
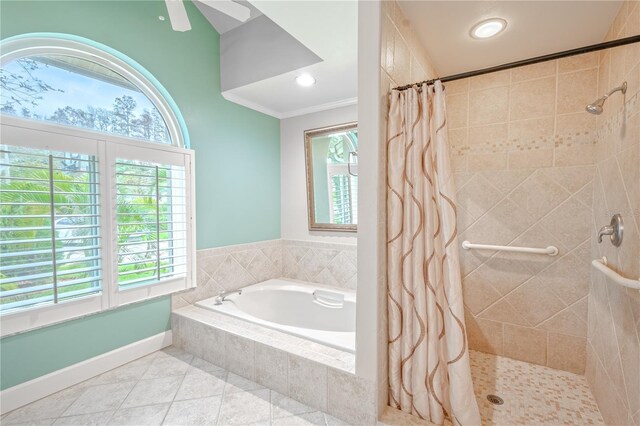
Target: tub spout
point(223, 296)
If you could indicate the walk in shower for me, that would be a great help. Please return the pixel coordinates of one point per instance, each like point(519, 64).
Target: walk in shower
point(545, 159)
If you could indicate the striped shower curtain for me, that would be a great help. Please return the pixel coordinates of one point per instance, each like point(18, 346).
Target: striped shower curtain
point(429, 373)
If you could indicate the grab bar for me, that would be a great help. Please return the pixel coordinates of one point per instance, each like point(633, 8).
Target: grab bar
point(551, 250)
point(601, 265)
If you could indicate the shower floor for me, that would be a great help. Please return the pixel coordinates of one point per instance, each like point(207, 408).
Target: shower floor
point(532, 394)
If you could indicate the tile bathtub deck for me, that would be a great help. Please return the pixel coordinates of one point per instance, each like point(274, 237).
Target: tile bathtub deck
point(174, 387)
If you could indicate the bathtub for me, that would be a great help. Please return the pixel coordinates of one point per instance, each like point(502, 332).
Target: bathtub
point(322, 314)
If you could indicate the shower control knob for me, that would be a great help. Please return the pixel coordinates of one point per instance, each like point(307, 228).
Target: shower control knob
point(615, 230)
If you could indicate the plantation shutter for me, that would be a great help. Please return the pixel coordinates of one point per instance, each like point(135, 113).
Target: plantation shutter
point(50, 239)
point(151, 222)
point(151, 219)
point(92, 221)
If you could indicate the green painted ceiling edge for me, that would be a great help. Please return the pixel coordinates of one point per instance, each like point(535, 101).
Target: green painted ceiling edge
point(142, 70)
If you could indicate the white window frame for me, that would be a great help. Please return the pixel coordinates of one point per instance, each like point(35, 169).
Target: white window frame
point(33, 46)
point(43, 135)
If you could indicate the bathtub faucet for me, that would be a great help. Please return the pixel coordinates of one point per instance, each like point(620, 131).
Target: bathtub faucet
point(223, 296)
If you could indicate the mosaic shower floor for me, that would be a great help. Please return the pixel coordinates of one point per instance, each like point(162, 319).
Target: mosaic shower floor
point(174, 387)
point(533, 395)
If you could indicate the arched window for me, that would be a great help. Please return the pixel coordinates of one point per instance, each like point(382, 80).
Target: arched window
point(78, 84)
point(96, 184)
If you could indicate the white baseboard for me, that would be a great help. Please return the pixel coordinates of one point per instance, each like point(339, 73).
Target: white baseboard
point(27, 392)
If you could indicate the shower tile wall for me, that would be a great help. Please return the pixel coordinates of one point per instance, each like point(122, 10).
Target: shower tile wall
point(613, 350)
point(523, 150)
point(403, 61)
point(231, 267)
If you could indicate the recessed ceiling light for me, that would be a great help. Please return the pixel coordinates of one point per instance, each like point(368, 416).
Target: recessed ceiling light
point(305, 80)
point(488, 28)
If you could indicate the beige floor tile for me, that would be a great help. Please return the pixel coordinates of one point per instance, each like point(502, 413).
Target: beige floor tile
point(194, 412)
point(149, 415)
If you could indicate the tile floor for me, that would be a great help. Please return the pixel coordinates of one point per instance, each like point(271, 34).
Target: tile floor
point(175, 388)
point(169, 387)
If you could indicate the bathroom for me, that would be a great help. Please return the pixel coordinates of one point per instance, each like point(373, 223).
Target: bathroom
point(256, 320)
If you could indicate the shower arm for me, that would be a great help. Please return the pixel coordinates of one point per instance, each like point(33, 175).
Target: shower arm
point(622, 88)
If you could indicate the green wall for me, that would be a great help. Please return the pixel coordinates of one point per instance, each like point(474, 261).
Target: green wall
point(237, 160)
point(29, 355)
point(237, 149)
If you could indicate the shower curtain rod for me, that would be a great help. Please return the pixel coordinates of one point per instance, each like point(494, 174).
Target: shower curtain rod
point(530, 61)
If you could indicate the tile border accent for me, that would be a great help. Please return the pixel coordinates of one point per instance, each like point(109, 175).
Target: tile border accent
point(525, 145)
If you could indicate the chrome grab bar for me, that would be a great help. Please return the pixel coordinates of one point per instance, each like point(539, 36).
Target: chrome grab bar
point(551, 250)
point(601, 265)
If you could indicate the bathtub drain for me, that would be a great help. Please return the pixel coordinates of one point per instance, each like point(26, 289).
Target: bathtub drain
point(495, 399)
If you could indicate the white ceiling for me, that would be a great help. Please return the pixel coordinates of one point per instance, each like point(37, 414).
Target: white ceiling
point(330, 30)
point(534, 28)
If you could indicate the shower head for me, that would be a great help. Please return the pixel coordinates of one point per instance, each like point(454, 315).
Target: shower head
point(597, 106)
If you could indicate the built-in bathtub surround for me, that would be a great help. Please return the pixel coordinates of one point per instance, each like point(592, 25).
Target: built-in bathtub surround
point(613, 351)
point(523, 148)
point(231, 267)
point(321, 314)
point(311, 373)
point(323, 263)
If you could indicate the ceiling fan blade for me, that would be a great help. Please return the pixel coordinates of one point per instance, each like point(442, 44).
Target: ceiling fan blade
point(228, 7)
point(178, 15)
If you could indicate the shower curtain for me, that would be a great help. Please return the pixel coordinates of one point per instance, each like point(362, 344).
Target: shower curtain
point(429, 373)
